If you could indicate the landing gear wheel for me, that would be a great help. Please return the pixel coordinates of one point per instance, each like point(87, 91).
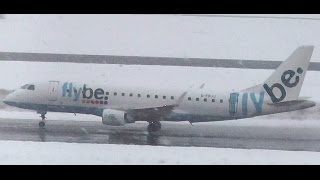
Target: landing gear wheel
point(154, 126)
point(42, 124)
point(157, 124)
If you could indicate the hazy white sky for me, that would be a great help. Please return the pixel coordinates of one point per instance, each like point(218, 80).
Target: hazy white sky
point(160, 35)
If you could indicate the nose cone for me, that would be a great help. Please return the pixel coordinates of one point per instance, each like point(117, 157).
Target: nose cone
point(9, 100)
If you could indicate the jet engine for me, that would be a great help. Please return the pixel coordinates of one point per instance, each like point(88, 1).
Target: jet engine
point(116, 117)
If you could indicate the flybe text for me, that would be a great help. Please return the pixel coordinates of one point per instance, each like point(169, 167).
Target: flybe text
point(89, 95)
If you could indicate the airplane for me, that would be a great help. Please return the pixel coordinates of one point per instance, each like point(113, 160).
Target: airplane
point(120, 104)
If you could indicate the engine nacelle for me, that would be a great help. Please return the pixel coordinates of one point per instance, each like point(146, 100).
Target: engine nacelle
point(116, 117)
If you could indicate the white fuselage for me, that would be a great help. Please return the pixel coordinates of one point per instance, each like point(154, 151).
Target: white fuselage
point(194, 104)
point(118, 104)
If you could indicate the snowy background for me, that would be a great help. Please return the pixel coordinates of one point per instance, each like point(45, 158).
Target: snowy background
point(159, 36)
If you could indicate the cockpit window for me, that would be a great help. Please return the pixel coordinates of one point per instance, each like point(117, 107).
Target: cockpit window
point(30, 87)
point(24, 86)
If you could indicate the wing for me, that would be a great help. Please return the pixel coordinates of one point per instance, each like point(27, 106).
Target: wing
point(155, 113)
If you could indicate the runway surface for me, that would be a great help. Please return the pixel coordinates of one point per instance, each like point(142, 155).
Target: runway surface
point(172, 134)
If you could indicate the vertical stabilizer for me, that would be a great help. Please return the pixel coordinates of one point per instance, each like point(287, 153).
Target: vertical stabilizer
point(286, 81)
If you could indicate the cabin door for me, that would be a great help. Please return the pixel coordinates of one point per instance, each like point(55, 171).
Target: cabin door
point(53, 90)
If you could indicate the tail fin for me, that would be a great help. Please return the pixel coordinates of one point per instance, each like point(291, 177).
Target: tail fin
point(286, 81)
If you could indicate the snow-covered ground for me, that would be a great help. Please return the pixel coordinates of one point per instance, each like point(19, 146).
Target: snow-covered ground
point(72, 153)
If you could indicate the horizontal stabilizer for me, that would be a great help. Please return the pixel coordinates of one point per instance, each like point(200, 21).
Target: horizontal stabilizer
point(293, 103)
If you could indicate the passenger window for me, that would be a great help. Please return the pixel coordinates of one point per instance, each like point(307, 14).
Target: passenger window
point(30, 87)
point(148, 96)
point(107, 93)
point(156, 96)
point(123, 94)
point(221, 100)
point(115, 93)
point(139, 95)
point(164, 97)
point(213, 100)
point(205, 99)
point(131, 95)
point(172, 97)
point(189, 98)
point(197, 99)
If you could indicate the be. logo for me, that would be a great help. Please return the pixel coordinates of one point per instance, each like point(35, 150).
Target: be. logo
point(286, 80)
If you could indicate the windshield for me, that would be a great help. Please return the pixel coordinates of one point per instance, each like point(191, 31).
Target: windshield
point(24, 86)
point(30, 87)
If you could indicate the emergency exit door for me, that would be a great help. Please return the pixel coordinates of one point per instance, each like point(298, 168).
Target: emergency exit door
point(53, 90)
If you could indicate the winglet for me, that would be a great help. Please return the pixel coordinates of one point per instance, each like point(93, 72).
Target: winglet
point(180, 99)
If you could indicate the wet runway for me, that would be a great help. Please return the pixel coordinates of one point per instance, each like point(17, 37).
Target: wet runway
point(172, 134)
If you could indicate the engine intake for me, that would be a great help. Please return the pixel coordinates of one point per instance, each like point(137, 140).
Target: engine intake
point(116, 117)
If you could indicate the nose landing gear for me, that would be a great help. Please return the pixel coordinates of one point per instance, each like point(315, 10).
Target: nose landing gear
point(154, 126)
point(42, 122)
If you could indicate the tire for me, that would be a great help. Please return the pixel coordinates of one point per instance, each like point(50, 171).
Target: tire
point(42, 124)
point(157, 124)
point(150, 128)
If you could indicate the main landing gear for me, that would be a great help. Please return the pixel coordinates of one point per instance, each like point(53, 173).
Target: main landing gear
point(154, 126)
point(42, 123)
